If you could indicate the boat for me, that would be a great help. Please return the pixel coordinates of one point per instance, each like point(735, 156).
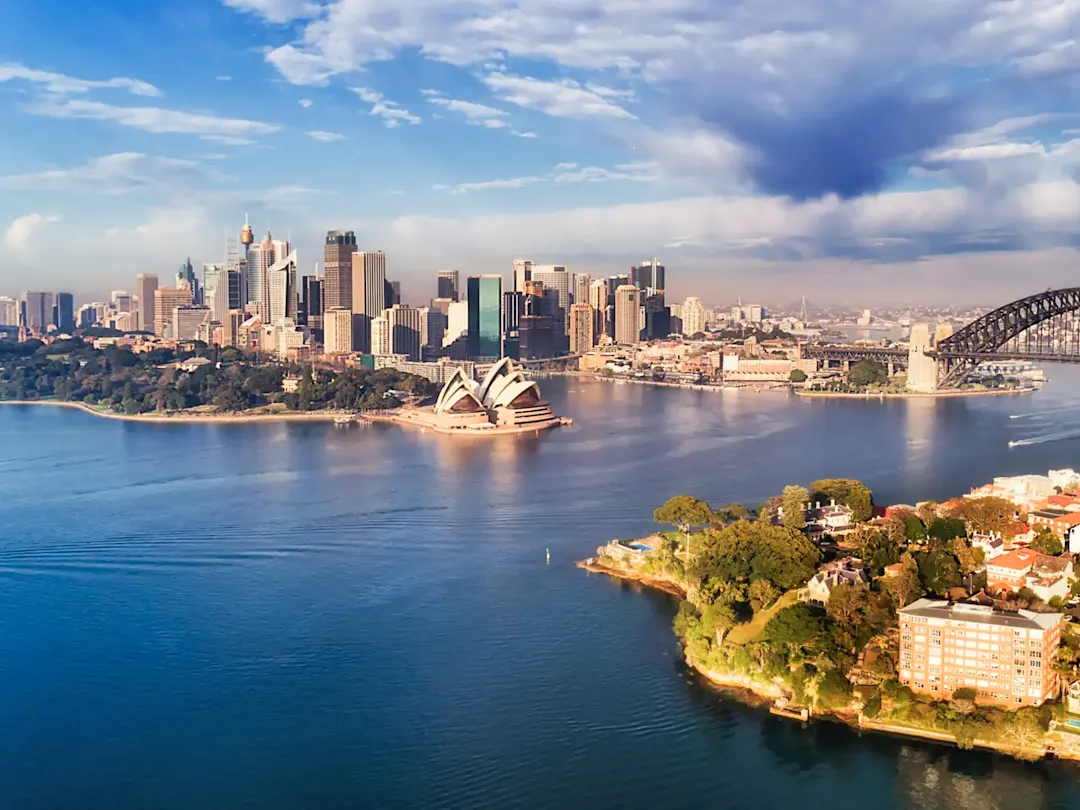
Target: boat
point(342, 421)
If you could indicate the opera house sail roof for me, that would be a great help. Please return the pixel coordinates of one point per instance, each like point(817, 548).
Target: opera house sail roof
point(504, 399)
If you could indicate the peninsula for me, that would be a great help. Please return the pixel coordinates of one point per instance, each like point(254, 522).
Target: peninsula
point(820, 603)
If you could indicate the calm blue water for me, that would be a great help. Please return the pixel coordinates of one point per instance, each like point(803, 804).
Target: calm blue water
point(296, 616)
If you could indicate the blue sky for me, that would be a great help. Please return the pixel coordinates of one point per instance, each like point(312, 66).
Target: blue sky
point(763, 148)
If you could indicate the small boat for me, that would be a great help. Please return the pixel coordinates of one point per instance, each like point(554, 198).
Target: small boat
point(342, 421)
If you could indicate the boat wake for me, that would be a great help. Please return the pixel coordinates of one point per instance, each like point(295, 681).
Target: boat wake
point(1049, 437)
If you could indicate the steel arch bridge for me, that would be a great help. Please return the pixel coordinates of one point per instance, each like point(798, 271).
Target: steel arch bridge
point(1043, 327)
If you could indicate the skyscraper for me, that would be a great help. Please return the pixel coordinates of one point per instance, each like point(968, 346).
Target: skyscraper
point(9, 311)
point(380, 334)
point(404, 325)
point(237, 296)
point(282, 296)
point(581, 328)
point(457, 322)
point(522, 273)
point(648, 275)
point(185, 279)
point(65, 313)
point(581, 288)
point(122, 301)
point(432, 330)
point(37, 310)
point(511, 311)
point(260, 258)
point(657, 317)
point(186, 321)
point(215, 285)
point(165, 303)
point(337, 269)
point(693, 316)
point(337, 331)
point(598, 300)
point(368, 295)
point(145, 285)
point(485, 315)
point(312, 303)
point(555, 278)
point(393, 293)
point(627, 314)
point(448, 284)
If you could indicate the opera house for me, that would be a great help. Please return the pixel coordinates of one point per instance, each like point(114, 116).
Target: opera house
point(505, 402)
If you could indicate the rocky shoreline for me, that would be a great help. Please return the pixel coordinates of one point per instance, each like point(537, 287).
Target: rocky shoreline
point(759, 695)
point(175, 417)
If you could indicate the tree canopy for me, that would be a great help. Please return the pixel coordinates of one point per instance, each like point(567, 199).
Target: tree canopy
point(990, 514)
point(1046, 542)
point(795, 625)
point(749, 551)
point(867, 372)
point(851, 493)
point(794, 500)
point(684, 511)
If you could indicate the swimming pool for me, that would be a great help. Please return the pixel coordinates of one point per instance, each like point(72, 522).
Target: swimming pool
point(638, 546)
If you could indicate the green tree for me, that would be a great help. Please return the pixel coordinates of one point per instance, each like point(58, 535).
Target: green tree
point(746, 551)
point(867, 372)
point(985, 514)
point(795, 625)
point(914, 530)
point(906, 586)
point(833, 690)
point(853, 494)
point(939, 572)
point(797, 375)
point(1046, 542)
point(762, 594)
point(857, 613)
point(970, 559)
point(793, 501)
point(305, 390)
point(684, 512)
point(946, 529)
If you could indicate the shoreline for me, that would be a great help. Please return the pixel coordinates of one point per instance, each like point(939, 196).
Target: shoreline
point(176, 417)
point(409, 419)
point(914, 394)
point(758, 695)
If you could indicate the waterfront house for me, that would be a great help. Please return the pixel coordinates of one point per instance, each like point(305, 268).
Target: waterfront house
point(990, 544)
point(1072, 698)
point(1058, 521)
point(832, 519)
point(1046, 576)
point(845, 571)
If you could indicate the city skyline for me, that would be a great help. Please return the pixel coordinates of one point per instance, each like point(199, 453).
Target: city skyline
point(881, 172)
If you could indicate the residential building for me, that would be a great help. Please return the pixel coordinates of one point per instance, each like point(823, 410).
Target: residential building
point(841, 572)
point(598, 300)
point(37, 311)
point(1046, 576)
point(439, 372)
point(1058, 521)
point(165, 303)
point(1006, 657)
point(145, 285)
point(627, 313)
point(380, 335)
point(337, 331)
point(403, 323)
point(368, 295)
point(581, 328)
point(693, 316)
point(485, 316)
point(582, 281)
point(337, 269)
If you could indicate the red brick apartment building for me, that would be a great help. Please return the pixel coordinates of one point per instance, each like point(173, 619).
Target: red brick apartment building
point(1006, 657)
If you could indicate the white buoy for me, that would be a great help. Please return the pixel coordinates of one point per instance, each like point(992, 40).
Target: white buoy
point(548, 554)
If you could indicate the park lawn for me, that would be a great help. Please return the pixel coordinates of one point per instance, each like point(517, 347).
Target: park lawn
point(743, 634)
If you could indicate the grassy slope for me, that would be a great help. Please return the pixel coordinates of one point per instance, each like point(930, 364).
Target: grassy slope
point(752, 630)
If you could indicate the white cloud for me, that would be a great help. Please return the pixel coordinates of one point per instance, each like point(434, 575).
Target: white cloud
point(305, 102)
point(277, 11)
point(18, 235)
point(519, 134)
point(490, 185)
point(325, 137)
point(477, 114)
point(391, 112)
point(564, 173)
point(990, 151)
point(563, 98)
point(112, 174)
point(224, 78)
point(62, 85)
point(565, 166)
point(234, 131)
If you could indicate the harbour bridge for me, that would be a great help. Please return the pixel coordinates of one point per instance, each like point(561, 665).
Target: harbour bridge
point(1039, 328)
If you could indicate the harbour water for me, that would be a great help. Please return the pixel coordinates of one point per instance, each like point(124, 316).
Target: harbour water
point(292, 616)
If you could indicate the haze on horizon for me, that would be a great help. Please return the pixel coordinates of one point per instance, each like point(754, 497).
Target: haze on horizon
point(860, 155)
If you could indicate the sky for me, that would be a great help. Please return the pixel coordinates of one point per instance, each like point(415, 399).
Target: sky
point(902, 150)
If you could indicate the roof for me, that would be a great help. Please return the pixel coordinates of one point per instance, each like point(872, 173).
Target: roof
point(1018, 560)
point(1049, 514)
point(1061, 501)
point(980, 614)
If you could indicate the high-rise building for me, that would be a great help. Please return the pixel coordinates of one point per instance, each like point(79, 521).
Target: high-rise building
point(556, 279)
point(87, 315)
point(1013, 665)
point(404, 327)
point(337, 269)
point(581, 328)
point(649, 275)
point(145, 285)
point(231, 327)
point(337, 331)
point(442, 304)
point(312, 303)
point(236, 290)
point(511, 311)
point(122, 301)
point(368, 295)
point(380, 334)
point(522, 273)
point(657, 317)
point(185, 279)
point(215, 285)
point(393, 293)
point(598, 300)
point(485, 315)
point(627, 314)
point(9, 311)
point(448, 284)
point(457, 322)
point(432, 330)
point(64, 316)
point(37, 310)
point(693, 316)
point(165, 303)
point(282, 296)
point(581, 288)
point(187, 320)
point(536, 337)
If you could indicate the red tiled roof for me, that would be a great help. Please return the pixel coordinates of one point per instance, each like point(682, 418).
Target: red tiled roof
point(1018, 560)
